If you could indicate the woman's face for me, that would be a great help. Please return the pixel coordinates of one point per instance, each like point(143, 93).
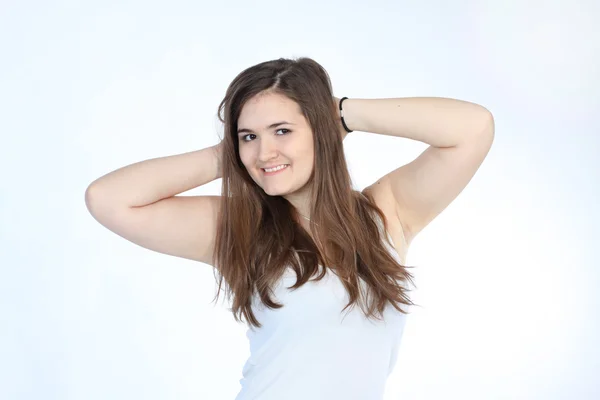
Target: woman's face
point(263, 145)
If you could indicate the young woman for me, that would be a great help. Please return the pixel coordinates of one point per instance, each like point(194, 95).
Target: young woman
point(296, 245)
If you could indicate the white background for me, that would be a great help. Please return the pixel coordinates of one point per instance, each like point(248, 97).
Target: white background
point(506, 277)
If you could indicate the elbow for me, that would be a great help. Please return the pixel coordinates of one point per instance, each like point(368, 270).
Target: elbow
point(489, 127)
point(90, 196)
point(95, 199)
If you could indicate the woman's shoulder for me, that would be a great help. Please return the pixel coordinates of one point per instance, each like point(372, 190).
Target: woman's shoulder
point(395, 230)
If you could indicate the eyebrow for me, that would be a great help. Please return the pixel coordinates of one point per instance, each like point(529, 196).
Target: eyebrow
point(276, 124)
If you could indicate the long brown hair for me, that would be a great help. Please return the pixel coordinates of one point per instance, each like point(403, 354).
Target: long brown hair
point(258, 237)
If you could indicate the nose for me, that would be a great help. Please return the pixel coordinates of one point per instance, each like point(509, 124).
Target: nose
point(267, 149)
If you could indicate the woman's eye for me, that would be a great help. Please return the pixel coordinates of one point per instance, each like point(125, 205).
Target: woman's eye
point(244, 138)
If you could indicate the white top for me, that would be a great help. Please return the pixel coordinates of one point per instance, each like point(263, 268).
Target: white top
point(309, 349)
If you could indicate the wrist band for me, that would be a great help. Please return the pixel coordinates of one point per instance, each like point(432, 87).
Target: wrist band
point(342, 115)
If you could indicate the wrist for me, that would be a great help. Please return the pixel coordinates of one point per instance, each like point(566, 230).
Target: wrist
point(218, 159)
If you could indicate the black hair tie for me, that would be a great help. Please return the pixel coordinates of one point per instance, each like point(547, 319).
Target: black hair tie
point(342, 115)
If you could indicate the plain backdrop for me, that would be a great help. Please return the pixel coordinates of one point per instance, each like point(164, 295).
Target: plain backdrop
point(507, 276)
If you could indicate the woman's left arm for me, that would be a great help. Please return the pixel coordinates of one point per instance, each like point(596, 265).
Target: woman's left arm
point(459, 133)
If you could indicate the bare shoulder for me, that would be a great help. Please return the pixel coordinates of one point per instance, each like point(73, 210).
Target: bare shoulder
point(384, 199)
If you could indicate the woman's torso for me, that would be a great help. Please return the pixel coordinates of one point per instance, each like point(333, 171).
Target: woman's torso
point(311, 349)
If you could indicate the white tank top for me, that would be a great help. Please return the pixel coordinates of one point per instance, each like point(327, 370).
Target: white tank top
point(309, 349)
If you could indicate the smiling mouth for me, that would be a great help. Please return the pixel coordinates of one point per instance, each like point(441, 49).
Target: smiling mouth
point(277, 169)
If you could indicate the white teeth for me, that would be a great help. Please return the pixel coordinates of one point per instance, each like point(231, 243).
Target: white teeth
point(276, 168)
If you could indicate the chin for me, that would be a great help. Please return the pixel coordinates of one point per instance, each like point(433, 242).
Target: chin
point(275, 192)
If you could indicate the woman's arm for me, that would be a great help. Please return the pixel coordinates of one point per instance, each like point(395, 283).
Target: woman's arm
point(438, 121)
point(148, 181)
point(459, 133)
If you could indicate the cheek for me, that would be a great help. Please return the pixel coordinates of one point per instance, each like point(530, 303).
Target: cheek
point(308, 164)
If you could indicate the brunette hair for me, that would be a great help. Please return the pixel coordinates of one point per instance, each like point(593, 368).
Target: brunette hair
point(258, 237)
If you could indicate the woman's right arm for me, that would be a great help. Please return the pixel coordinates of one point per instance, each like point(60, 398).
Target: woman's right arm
point(138, 202)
